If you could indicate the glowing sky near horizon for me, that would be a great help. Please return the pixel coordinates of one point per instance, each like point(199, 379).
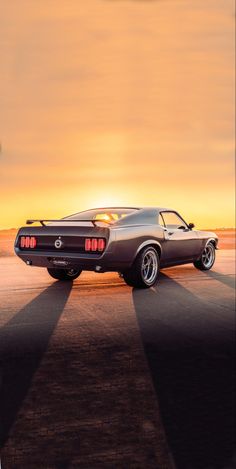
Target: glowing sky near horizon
point(110, 102)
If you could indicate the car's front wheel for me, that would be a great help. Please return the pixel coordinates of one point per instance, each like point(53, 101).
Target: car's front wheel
point(145, 269)
point(207, 258)
point(64, 274)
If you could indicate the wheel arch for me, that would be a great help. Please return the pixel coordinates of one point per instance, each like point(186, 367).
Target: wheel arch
point(208, 241)
point(211, 241)
point(150, 242)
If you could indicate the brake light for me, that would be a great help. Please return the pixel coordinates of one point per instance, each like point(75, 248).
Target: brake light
point(101, 244)
point(27, 242)
point(95, 244)
point(88, 244)
point(22, 242)
point(33, 242)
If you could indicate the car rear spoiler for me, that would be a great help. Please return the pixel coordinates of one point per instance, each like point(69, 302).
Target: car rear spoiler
point(43, 221)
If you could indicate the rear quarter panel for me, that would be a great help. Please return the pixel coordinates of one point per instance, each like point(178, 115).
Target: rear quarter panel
point(206, 236)
point(128, 240)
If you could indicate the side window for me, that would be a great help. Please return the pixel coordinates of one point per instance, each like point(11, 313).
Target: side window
point(173, 221)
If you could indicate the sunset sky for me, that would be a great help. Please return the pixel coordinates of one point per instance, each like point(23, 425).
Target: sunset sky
point(109, 102)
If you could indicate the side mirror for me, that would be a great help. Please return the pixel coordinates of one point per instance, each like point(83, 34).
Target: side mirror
point(191, 226)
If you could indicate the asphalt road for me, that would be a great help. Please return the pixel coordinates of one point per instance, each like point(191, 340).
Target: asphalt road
point(97, 375)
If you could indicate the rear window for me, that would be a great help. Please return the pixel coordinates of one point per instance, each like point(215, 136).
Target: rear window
point(110, 215)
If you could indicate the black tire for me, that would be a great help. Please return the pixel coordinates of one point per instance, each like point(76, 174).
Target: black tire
point(135, 276)
point(207, 258)
point(64, 274)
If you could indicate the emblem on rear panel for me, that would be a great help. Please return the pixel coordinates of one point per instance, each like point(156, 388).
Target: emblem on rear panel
point(58, 243)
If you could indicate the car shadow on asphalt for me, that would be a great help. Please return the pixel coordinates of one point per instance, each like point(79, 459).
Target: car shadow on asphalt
point(23, 343)
point(190, 353)
point(225, 279)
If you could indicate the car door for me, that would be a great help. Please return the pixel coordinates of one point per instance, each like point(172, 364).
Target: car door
point(182, 243)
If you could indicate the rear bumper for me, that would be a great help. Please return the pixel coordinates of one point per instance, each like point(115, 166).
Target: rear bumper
point(106, 262)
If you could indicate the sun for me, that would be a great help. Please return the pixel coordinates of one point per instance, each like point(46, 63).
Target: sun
point(103, 202)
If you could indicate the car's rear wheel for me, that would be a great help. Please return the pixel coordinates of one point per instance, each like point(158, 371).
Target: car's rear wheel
point(64, 274)
point(145, 269)
point(207, 258)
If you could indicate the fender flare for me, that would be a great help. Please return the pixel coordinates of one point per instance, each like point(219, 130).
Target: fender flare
point(148, 242)
point(211, 240)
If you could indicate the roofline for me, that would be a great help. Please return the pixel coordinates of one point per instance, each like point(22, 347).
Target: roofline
point(104, 208)
point(159, 209)
point(116, 207)
point(101, 208)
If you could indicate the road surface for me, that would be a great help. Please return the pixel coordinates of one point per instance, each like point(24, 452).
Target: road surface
point(97, 375)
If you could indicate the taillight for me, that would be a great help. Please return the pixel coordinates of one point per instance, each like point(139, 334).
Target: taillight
point(22, 242)
point(95, 244)
point(101, 244)
point(33, 242)
point(88, 244)
point(28, 242)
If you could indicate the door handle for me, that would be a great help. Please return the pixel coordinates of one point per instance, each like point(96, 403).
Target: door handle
point(170, 232)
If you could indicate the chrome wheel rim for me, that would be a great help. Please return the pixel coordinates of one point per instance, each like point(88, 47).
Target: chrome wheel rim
point(208, 256)
point(149, 267)
point(72, 272)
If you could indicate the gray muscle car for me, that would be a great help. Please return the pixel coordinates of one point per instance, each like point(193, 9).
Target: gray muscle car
point(136, 242)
